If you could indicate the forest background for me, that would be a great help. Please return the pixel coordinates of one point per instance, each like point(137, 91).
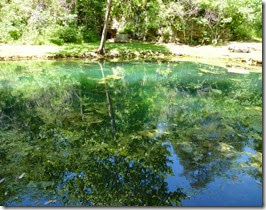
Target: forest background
point(190, 22)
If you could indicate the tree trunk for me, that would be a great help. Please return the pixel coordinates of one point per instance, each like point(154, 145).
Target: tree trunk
point(109, 102)
point(105, 27)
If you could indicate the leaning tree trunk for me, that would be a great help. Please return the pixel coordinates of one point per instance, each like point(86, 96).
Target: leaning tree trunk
point(105, 27)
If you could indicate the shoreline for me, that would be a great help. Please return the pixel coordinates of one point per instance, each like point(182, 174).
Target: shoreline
point(246, 55)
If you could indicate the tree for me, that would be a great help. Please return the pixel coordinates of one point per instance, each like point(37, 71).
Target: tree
point(105, 27)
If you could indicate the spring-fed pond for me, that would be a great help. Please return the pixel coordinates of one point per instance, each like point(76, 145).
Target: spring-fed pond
point(129, 134)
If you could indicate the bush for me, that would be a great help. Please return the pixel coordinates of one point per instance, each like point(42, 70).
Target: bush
point(190, 21)
point(57, 41)
point(66, 34)
point(15, 34)
point(70, 35)
point(89, 35)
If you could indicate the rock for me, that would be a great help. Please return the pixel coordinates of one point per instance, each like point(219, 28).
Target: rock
point(114, 53)
point(90, 55)
point(121, 38)
point(112, 40)
point(240, 49)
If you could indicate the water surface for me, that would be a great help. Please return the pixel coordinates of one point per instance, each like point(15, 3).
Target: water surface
point(129, 134)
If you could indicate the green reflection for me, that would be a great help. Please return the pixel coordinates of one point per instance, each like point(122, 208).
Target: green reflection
point(89, 134)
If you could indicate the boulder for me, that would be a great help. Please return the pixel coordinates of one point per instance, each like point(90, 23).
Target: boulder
point(120, 38)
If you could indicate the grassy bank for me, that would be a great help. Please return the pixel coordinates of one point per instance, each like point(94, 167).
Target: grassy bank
point(140, 51)
point(79, 50)
point(17, 52)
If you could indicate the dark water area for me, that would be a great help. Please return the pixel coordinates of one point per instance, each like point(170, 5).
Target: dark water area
point(129, 134)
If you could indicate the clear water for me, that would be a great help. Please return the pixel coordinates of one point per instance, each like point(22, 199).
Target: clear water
point(129, 134)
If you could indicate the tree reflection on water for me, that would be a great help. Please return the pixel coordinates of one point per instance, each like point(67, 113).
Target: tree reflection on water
point(75, 134)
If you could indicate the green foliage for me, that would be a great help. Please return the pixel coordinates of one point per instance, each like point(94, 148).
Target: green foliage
point(89, 35)
point(66, 34)
point(56, 21)
point(90, 18)
point(192, 22)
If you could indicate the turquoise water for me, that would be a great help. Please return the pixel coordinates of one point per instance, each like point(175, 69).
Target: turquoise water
point(129, 134)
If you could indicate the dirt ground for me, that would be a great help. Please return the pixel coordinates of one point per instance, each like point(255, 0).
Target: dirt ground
point(7, 50)
point(250, 52)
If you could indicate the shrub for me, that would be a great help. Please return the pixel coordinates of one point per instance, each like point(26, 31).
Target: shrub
point(89, 35)
point(65, 34)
